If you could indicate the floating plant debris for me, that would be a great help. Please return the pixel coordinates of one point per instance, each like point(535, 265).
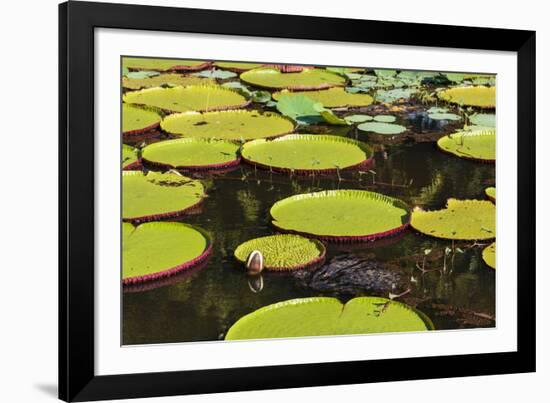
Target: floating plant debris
point(336, 97)
point(480, 96)
point(229, 125)
point(341, 215)
point(154, 196)
point(308, 153)
point(200, 98)
point(283, 252)
point(155, 250)
point(489, 255)
point(192, 154)
point(461, 219)
point(308, 79)
point(137, 120)
point(477, 145)
point(321, 316)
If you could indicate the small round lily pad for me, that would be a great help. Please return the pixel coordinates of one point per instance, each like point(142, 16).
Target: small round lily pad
point(491, 193)
point(154, 196)
point(461, 219)
point(137, 120)
point(382, 128)
point(489, 255)
point(479, 145)
point(341, 215)
point(336, 97)
point(307, 79)
point(358, 118)
point(129, 158)
point(156, 250)
point(236, 125)
point(144, 63)
point(444, 116)
point(192, 154)
point(200, 98)
point(384, 118)
point(308, 153)
point(322, 316)
point(480, 96)
point(284, 251)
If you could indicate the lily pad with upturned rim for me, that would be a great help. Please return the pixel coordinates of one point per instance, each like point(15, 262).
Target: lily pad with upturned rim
point(170, 80)
point(489, 255)
point(154, 196)
point(461, 219)
point(480, 96)
point(308, 153)
point(336, 97)
point(491, 193)
point(322, 316)
point(228, 125)
point(198, 98)
point(284, 252)
point(144, 63)
point(381, 128)
point(238, 67)
point(341, 215)
point(308, 79)
point(137, 120)
point(156, 250)
point(129, 158)
point(192, 154)
point(479, 145)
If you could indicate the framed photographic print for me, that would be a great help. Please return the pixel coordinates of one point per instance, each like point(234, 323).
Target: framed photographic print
point(258, 201)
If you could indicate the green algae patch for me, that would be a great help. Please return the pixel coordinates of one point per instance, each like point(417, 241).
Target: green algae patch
point(322, 316)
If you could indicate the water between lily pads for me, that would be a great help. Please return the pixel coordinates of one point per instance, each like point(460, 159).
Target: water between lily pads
point(200, 305)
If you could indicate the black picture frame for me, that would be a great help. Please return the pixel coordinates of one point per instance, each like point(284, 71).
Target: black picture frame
point(77, 379)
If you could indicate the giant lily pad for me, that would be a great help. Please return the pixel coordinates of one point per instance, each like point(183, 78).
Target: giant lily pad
point(169, 80)
point(192, 154)
point(142, 63)
point(283, 251)
point(491, 193)
point(200, 98)
point(489, 255)
point(228, 125)
point(308, 153)
point(381, 128)
point(155, 250)
point(238, 67)
point(341, 215)
point(152, 196)
point(321, 316)
point(137, 120)
point(129, 157)
point(480, 96)
point(309, 79)
point(331, 98)
point(461, 219)
point(475, 145)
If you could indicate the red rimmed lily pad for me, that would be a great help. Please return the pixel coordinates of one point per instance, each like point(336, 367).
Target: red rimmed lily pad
point(146, 63)
point(136, 121)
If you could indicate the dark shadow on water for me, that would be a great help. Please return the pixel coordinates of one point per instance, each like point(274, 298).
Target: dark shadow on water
point(49, 389)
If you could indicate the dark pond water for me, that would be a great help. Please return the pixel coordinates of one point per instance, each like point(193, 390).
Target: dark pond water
point(202, 304)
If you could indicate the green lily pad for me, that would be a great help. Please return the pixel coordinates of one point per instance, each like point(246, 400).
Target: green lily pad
point(307, 153)
point(461, 219)
point(389, 96)
point(170, 80)
point(321, 316)
point(477, 145)
point(142, 74)
point(358, 118)
point(129, 157)
point(160, 249)
point(384, 118)
point(330, 98)
point(489, 255)
point(239, 67)
point(137, 120)
point(308, 79)
point(306, 111)
point(228, 125)
point(444, 116)
point(192, 153)
point(385, 73)
point(143, 63)
point(483, 119)
point(435, 109)
point(480, 96)
point(219, 74)
point(199, 98)
point(491, 193)
point(381, 128)
point(151, 196)
point(341, 215)
point(283, 251)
